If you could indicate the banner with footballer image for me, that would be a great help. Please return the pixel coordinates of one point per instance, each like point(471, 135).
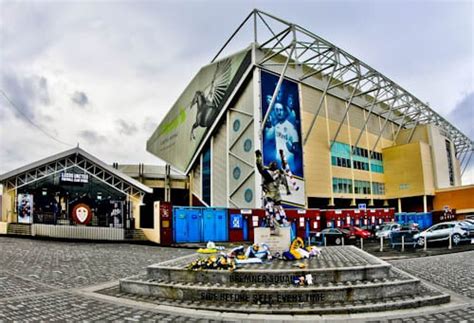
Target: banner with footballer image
point(282, 142)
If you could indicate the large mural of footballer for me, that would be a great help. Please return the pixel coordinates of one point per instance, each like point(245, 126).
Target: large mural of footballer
point(282, 136)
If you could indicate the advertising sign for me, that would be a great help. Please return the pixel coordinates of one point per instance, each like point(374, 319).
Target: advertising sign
point(74, 178)
point(282, 135)
point(116, 215)
point(25, 208)
point(180, 133)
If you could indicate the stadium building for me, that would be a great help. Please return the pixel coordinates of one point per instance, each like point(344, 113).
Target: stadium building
point(350, 137)
point(349, 134)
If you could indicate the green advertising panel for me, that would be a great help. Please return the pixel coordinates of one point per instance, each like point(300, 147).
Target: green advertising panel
point(181, 132)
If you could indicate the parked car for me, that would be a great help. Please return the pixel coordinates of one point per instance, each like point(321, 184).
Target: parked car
point(386, 230)
point(333, 236)
point(468, 226)
point(442, 231)
point(358, 232)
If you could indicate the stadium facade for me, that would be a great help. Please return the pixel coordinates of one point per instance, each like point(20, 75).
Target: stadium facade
point(349, 134)
point(351, 138)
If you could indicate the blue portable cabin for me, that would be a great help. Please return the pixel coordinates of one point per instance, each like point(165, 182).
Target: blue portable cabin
point(199, 224)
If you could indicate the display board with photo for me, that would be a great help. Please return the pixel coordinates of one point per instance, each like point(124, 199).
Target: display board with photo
point(25, 208)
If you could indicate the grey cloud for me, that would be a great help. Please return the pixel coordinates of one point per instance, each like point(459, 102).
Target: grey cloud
point(125, 128)
point(463, 115)
point(80, 98)
point(27, 93)
point(149, 124)
point(92, 137)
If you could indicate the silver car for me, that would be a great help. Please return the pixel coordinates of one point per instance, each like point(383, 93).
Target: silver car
point(387, 229)
point(442, 231)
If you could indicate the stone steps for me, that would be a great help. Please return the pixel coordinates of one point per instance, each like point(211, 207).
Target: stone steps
point(345, 280)
point(135, 235)
point(19, 229)
point(426, 296)
point(284, 293)
point(269, 277)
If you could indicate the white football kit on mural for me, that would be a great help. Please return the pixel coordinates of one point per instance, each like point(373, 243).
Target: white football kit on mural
point(285, 132)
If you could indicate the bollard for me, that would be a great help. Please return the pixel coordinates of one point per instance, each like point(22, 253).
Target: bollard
point(381, 244)
point(361, 244)
point(403, 243)
point(342, 240)
point(325, 241)
point(425, 245)
point(450, 241)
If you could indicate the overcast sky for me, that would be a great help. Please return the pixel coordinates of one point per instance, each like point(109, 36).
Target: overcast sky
point(104, 73)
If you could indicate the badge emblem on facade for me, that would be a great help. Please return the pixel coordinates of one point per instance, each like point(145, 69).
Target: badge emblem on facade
point(82, 214)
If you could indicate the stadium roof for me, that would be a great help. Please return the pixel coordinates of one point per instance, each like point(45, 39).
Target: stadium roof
point(69, 159)
point(338, 69)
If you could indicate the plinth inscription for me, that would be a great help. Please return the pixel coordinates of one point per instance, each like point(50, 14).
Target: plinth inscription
point(263, 298)
point(262, 278)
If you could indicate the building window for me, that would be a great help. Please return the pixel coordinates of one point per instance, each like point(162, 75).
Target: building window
point(342, 185)
point(378, 188)
point(236, 125)
point(362, 187)
point(450, 163)
point(248, 195)
point(236, 172)
point(341, 155)
point(340, 162)
point(247, 145)
point(206, 174)
point(360, 165)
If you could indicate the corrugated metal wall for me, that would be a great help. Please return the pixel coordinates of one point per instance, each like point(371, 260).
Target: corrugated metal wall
point(77, 232)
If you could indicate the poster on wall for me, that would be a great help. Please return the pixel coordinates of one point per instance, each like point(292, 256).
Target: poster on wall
point(116, 215)
point(281, 137)
point(182, 130)
point(25, 208)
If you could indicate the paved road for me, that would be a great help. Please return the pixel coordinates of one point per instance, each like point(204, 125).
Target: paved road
point(43, 280)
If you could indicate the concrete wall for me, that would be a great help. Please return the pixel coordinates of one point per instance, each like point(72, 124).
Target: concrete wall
point(460, 198)
point(154, 234)
point(440, 159)
point(3, 227)
point(317, 156)
point(408, 170)
point(8, 206)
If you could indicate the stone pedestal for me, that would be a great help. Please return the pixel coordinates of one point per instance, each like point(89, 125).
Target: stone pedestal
point(277, 242)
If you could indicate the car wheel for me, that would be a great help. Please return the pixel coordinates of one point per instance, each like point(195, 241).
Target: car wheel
point(456, 238)
point(338, 241)
point(420, 242)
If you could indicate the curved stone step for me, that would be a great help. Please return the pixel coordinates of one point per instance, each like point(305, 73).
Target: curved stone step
point(275, 294)
point(336, 264)
point(426, 296)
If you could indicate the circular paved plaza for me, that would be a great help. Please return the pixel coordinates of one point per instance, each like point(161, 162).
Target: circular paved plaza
point(42, 280)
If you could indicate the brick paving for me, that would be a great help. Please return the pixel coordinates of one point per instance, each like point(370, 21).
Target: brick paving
point(40, 280)
point(454, 272)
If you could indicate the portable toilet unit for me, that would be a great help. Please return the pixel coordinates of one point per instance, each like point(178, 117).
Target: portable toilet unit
point(187, 224)
point(214, 224)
